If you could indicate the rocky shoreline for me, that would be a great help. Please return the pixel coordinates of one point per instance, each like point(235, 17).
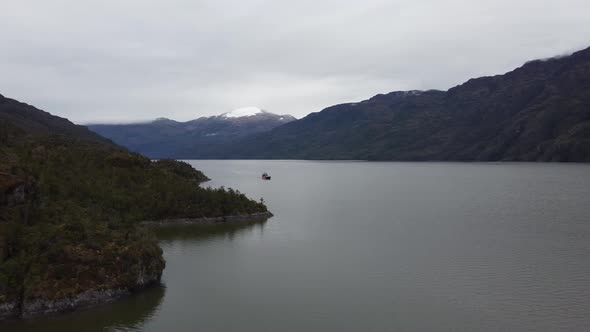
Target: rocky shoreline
point(39, 307)
point(243, 218)
point(91, 298)
point(9, 310)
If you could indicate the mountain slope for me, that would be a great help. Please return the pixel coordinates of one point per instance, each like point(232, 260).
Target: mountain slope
point(164, 138)
point(35, 121)
point(538, 112)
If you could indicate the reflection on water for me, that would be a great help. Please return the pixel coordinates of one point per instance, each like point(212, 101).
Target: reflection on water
point(133, 313)
point(178, 234)
point(128, 314)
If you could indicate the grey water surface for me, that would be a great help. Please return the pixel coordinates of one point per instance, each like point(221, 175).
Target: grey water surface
point(359, 246)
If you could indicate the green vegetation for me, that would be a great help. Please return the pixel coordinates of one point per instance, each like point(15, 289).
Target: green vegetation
point(70, 207)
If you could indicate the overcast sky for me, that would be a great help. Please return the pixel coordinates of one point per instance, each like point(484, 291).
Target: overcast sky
point(129, 60)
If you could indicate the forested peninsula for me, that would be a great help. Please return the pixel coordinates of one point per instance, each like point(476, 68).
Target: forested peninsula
point(71, 203)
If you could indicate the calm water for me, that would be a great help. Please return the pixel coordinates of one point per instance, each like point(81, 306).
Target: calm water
point(358, 246)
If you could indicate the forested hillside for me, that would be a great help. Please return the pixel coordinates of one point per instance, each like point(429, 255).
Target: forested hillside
point(70, 203)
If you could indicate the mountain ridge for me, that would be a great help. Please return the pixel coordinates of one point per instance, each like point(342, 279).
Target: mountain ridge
point(539, 111)
point(166, 138)
point(34, 120)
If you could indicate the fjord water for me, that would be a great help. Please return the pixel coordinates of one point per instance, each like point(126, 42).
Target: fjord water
point(358, 246)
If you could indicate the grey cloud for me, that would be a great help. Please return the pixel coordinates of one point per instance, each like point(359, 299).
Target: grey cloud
point(127, 60)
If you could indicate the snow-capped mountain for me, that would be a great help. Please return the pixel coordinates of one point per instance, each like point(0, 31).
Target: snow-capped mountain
point(166, 138)
point(242, 112)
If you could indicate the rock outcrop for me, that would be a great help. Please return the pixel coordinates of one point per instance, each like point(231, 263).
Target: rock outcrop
point(39, 306)
point(9, 310)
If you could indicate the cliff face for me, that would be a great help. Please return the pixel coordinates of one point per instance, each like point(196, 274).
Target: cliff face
point(43, 306)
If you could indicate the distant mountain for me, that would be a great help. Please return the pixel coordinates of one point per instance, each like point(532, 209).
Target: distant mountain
point(538, 112)
point(165, 138)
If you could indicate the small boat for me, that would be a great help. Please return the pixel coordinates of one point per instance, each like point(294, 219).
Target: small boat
point(265, 176)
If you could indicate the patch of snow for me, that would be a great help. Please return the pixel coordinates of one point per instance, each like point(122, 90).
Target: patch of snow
point(163, 120)
point(414, 92)
point(244, 111)
point(212, 134)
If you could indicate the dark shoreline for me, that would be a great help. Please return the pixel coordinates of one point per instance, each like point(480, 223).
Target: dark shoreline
point(93, 298)
point(85, 300)
point(242, 218)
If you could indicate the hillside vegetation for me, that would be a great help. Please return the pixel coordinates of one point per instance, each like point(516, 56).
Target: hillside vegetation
point(70, 206)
